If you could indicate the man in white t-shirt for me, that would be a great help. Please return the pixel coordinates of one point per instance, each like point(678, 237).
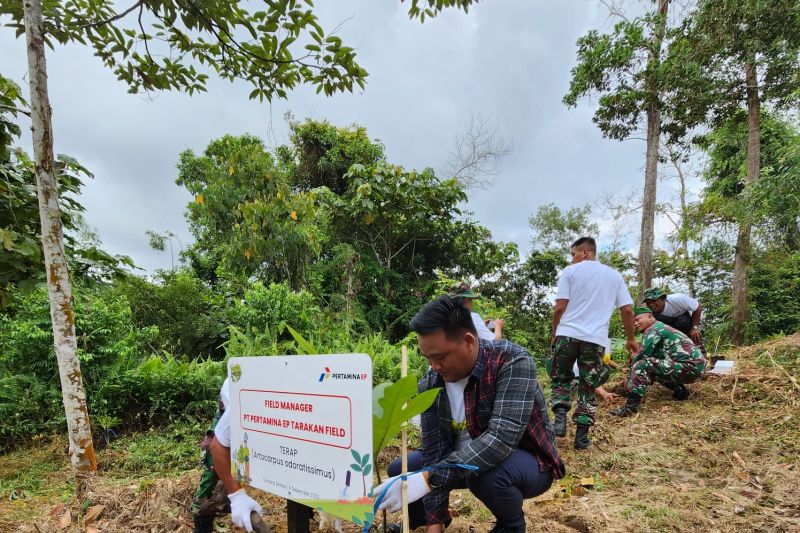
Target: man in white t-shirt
point(464, 294)
point(680, 311)
point(588, 292)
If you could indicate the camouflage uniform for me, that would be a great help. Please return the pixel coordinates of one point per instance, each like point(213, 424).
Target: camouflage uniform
point(668, 357)
point(210, 498)
point(593, 373)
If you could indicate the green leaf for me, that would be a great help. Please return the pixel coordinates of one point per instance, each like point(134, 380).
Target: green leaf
point(403, 391)
point(377, 394)
point(356, 456)
point(304, 347)
point(355, 467)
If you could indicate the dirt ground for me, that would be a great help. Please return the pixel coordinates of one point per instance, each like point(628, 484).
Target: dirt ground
point(726, 460)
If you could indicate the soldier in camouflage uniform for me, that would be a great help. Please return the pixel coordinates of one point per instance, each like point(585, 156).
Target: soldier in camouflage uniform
point(667, 356)
point(210, 498)
point(592, 373)
point(586, 296)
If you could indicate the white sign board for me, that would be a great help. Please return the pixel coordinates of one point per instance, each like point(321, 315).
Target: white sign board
point(301, 428)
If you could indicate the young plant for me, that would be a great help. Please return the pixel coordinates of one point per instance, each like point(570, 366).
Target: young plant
point(394, 404)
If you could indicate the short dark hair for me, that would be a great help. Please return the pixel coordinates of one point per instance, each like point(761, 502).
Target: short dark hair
point(444, 313)
point(587, 242)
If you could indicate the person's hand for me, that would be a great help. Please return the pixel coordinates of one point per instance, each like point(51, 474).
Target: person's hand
point(605, 395)
point(392, 493)
point(499, 323)
point(631, 346)
point(695, 335)
point(241, 507)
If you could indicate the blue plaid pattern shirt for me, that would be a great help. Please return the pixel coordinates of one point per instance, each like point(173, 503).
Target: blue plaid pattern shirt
point(505, 410)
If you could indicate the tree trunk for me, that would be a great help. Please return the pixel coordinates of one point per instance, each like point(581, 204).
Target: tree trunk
point(683, 229)
point(58, 284)
point(647, 234)
point(742, 258)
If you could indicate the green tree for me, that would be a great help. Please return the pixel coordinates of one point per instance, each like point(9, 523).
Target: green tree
point(732, 56)
point(247, 211)
point(554, 229)
point(272, 60)
point(625, 68)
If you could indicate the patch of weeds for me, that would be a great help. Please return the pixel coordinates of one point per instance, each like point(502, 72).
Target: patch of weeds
point(159, 451)
point(42, 469)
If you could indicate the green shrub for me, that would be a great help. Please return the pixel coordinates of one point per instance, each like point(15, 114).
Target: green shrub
point(266, 307)
point(191, 319)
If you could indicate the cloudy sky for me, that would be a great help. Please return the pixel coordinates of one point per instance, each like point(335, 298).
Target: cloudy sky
point(507, 61)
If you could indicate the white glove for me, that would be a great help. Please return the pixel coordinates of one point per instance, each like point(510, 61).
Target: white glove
point(393, 497)
point(241, 507)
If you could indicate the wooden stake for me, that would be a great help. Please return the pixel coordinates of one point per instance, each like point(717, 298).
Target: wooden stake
point(404, 447)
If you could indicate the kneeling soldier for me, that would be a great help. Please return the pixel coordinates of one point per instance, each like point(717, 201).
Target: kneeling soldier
point(667, 356)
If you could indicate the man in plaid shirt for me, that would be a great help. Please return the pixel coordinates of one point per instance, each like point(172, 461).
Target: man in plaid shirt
point(491, 414)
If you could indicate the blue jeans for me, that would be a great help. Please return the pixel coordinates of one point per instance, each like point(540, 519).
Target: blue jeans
point(501, 489)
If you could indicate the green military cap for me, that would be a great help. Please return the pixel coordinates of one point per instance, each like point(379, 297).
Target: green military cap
point(641, 310)
point(653, 293)
point(463, 290)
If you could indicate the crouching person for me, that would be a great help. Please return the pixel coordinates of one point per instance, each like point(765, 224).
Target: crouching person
point(667, 356)
point(491, 414)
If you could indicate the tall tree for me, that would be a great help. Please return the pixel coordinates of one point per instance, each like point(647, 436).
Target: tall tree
point(734, 55)
point(187, 35)
point(196, 34)
point(625, 68)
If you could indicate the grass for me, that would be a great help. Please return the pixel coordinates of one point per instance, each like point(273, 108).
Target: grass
point(726, 460)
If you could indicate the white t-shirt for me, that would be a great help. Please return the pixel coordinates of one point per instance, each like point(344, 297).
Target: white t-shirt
point(483, 331)
point(678, 304)
point(594, 290)
point(455, 395)
point(222, 431)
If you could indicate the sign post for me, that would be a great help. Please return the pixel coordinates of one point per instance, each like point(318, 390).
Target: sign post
point(301, 428)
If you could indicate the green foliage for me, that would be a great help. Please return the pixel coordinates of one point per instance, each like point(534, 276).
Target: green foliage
point(772, 203)
point(274, 46)
point(556, 230)
point(268, 306)
point(619, 66)
point(707, 60)
point(248, 214)
point(155, 452)
point(329, 214)
point(395, 404)
point(22, 259)
point(189, 319)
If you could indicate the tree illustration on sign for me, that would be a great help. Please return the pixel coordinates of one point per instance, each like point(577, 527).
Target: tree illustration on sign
point(362, 465)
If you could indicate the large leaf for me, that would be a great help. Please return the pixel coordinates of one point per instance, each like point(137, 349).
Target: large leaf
point(377, 394)
point(304, 347)
point(403, 392)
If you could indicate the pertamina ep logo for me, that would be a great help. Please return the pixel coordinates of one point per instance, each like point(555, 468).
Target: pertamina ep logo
point(327, 374)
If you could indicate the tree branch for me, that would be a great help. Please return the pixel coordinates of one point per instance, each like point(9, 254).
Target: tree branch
point(115, 17)
point(15, 109)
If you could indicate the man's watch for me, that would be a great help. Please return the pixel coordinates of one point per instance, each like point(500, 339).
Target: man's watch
point(434, 482)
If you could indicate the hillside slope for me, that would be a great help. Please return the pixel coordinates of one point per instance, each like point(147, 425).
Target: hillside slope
point(726, 460)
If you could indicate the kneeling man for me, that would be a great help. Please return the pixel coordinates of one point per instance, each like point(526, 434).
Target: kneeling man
point(667, 356)
point(491, 414)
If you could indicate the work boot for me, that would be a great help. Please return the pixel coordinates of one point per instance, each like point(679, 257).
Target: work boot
point(631, 407)
point(560, 422)
point(582, 437)
point(679, 392)
point(203, 524)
